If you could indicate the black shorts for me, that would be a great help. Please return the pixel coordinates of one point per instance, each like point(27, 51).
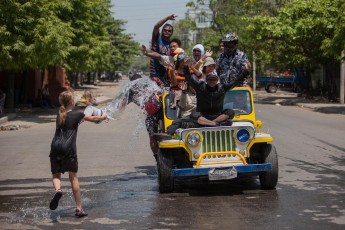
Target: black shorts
point(63, 165)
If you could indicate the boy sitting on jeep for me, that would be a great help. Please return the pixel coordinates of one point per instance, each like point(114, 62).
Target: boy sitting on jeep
point(210, 97)
point(209, 106)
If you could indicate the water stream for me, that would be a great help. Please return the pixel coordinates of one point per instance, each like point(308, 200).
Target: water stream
point(138, 91)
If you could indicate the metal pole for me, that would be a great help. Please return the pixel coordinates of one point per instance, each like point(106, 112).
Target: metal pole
point(342, 77)
point(254, 72)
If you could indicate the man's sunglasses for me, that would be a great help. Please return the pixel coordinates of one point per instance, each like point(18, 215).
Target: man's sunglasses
point(168, 31)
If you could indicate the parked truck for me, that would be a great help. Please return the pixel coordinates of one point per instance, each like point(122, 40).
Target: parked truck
point(297, 82)
point(272, 83)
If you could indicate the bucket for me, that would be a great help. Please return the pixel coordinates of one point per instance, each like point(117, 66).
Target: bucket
point(93, 111)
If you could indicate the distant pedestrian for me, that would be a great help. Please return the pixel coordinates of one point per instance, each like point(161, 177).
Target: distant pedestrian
point(90, 106)
point(86, 100)
point(46, 101)
point(63, 153)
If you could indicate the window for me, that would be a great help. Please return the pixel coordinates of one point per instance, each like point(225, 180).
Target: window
point(238, 100)
point(201, 19)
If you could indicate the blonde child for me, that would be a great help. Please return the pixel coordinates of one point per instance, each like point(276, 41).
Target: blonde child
point(63, 153)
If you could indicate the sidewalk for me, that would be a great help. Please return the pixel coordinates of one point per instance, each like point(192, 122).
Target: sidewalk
point(286, 98)
point(104, 92)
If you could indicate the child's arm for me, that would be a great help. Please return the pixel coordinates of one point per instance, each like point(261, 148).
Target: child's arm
point(196, 71)
point(171, 73)
point(190, 80)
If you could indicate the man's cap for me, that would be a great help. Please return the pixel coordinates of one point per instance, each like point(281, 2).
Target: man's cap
point(209, 61)
point(230, 37)
point(212, 75)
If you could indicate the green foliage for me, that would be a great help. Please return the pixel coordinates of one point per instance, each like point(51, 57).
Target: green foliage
point(32, 35)
point(80, 35)
point(334, 44)
point(90, 46)
point(295, 35)
point(123, 47)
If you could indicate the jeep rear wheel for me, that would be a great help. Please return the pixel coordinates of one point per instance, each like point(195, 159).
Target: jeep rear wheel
point(268, 180)
point(165, 177)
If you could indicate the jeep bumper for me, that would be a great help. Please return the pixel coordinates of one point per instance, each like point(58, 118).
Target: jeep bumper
point(204, 171)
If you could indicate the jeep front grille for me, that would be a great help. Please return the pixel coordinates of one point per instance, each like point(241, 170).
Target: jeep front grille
point(218, 141)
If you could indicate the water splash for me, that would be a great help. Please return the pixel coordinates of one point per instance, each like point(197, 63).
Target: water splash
point(138, 91)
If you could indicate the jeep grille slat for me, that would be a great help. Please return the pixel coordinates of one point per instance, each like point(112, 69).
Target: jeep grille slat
point(218, 141)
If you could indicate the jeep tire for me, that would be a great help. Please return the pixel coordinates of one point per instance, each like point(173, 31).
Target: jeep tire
point(269, 179)
point(165, 177)
point(272, 88)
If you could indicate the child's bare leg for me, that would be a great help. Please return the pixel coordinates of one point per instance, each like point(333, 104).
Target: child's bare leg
point(54, 203)
point(57, 181)
point(75, 188)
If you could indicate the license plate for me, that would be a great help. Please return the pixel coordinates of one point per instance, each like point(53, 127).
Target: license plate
point(222, 173)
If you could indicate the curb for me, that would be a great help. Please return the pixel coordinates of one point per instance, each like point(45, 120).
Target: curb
point(320, 108)
point(7, 117)
point(10, 116)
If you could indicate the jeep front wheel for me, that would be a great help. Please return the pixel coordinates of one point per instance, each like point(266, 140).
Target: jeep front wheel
point(165, 177)
point(269, 179)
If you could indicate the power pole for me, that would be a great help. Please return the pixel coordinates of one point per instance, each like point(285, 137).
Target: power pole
point(254, 72)
point(342, 77)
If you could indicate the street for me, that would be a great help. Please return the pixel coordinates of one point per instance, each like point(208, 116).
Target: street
point(119, 187)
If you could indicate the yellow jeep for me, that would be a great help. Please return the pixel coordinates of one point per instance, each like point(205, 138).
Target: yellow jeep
point(219, 153)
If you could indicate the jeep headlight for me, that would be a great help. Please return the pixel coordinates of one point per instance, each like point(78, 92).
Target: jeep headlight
point(242, 135)
point(194, 138)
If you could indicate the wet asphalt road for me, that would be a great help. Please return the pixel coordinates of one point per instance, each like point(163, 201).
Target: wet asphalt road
point(119, 180)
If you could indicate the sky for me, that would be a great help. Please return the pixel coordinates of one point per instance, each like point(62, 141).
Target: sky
point(142, 15)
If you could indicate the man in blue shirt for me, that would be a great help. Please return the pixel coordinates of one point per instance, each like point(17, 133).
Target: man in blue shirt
point(160, 44)
point(232, 63)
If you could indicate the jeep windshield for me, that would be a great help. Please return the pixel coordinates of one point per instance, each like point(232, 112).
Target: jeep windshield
point(239, 101)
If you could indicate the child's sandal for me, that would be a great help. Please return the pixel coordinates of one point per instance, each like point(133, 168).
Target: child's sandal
point(80, 213)
point(54, 203)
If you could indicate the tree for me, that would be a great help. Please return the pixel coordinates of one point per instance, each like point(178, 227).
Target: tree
point(33, 35)
point(332, 45)
point(80, 35)
point(297, 33)
point(123, 48)
point(90, 45)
